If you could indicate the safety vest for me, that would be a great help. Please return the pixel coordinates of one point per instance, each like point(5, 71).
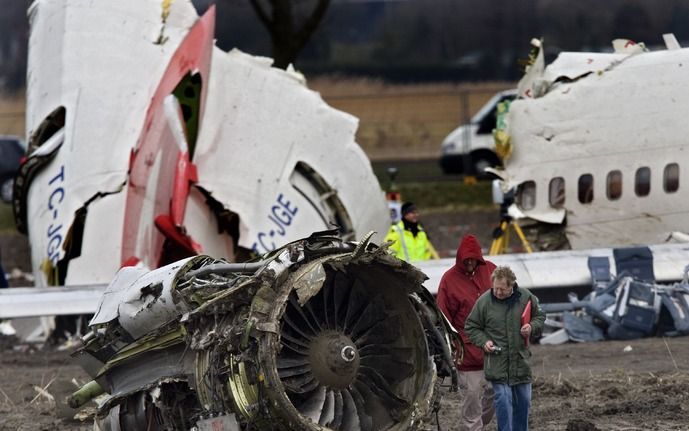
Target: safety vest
point(406, 246)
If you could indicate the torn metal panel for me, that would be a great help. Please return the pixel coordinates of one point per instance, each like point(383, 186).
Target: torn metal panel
point(142, 303)
point(308, 285)
point(213, 156)
point(104, 101)
point(361, 348)
point(250, 96)
point(570, 66)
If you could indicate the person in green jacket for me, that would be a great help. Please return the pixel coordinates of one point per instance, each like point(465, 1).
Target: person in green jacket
point(502, 321)
point(410, 242)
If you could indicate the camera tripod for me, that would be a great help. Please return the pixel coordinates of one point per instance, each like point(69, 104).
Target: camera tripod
point(501, 237)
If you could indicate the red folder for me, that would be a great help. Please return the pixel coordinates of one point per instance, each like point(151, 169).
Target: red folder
point(526, 318)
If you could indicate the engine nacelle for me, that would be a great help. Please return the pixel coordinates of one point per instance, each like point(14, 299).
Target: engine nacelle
point(319, 335)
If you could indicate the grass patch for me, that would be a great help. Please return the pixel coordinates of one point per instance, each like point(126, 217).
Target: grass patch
point(6, 218)
point(423, 182)
point(12, 114)
point(447, 195)
point(410, 171)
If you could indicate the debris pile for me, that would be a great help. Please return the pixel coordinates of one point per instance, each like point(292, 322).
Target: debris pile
point(624, 307)
point(320, 334)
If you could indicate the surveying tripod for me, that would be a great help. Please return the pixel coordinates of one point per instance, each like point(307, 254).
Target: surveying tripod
point(501, 234)
point(501, 237)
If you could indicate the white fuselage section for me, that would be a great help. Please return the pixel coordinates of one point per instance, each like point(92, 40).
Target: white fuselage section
point(604, 147)
point(162, 143)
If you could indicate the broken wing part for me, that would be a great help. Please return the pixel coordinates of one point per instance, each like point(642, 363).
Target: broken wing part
point(23, 302)
point(565, 269)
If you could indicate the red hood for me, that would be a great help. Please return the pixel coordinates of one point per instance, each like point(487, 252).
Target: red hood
point(469, 247)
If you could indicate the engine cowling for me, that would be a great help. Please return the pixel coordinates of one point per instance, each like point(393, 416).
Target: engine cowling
point(319, 335)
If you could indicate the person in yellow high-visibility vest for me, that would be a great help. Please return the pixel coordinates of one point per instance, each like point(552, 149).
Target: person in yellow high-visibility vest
point(410, 242)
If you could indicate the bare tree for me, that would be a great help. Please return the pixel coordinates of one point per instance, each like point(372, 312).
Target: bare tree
point(288, 34)
point(14, 38)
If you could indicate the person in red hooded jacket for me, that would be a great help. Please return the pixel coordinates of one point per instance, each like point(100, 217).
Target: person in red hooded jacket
point(459, 289)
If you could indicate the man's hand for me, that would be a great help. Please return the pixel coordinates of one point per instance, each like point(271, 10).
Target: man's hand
point(525, 330)
point(489, 347)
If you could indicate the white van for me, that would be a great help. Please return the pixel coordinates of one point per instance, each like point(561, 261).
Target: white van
point(475, 140)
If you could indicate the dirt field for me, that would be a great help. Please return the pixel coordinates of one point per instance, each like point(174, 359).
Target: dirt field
point(599, 386)
point(578, 387)
point(404, 121)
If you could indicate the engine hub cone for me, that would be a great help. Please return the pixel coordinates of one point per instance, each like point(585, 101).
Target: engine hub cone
point(334, 359)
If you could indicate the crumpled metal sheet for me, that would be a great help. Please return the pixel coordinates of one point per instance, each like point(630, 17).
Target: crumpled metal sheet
point(309, 283)
point(141, 302)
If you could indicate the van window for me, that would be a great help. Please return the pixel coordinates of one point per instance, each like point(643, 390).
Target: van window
point(671, 178)
point(585, 188)
point(556, 192)
point(613, 186)
point(526, 195)
point(642, 181)
point(487, 123)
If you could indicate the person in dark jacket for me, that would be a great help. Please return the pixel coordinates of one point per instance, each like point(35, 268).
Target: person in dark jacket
point(459, 289)
point(502, 321)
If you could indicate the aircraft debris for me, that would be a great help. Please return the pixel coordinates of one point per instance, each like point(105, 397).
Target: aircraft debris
point(630, 305)
point(161, 146)
point(320, 334)
point(593, 145)
point(148, 144)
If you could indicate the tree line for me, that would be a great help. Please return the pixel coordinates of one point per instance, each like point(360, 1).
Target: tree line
point(413, 40)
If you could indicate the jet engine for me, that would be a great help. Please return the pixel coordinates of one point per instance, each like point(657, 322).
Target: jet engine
point(320, 334)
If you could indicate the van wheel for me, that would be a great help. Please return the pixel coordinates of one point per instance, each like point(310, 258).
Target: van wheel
point(6, 190)
point(480, 165)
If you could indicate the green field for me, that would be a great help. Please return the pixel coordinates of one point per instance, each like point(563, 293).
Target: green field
point(447, 196)
point(6, 218)
point(423, 182)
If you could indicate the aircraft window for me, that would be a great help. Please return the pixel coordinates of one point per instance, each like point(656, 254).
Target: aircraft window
point(671, 178)
point(556, 194)
point(585, 188)
point(614, 185)
point(642, 181)
point(526, 195)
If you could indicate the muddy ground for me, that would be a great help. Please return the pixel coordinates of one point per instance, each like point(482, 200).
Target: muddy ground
point(578, 387)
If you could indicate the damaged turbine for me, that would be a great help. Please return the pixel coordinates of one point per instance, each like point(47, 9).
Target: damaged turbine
point(320, 335)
